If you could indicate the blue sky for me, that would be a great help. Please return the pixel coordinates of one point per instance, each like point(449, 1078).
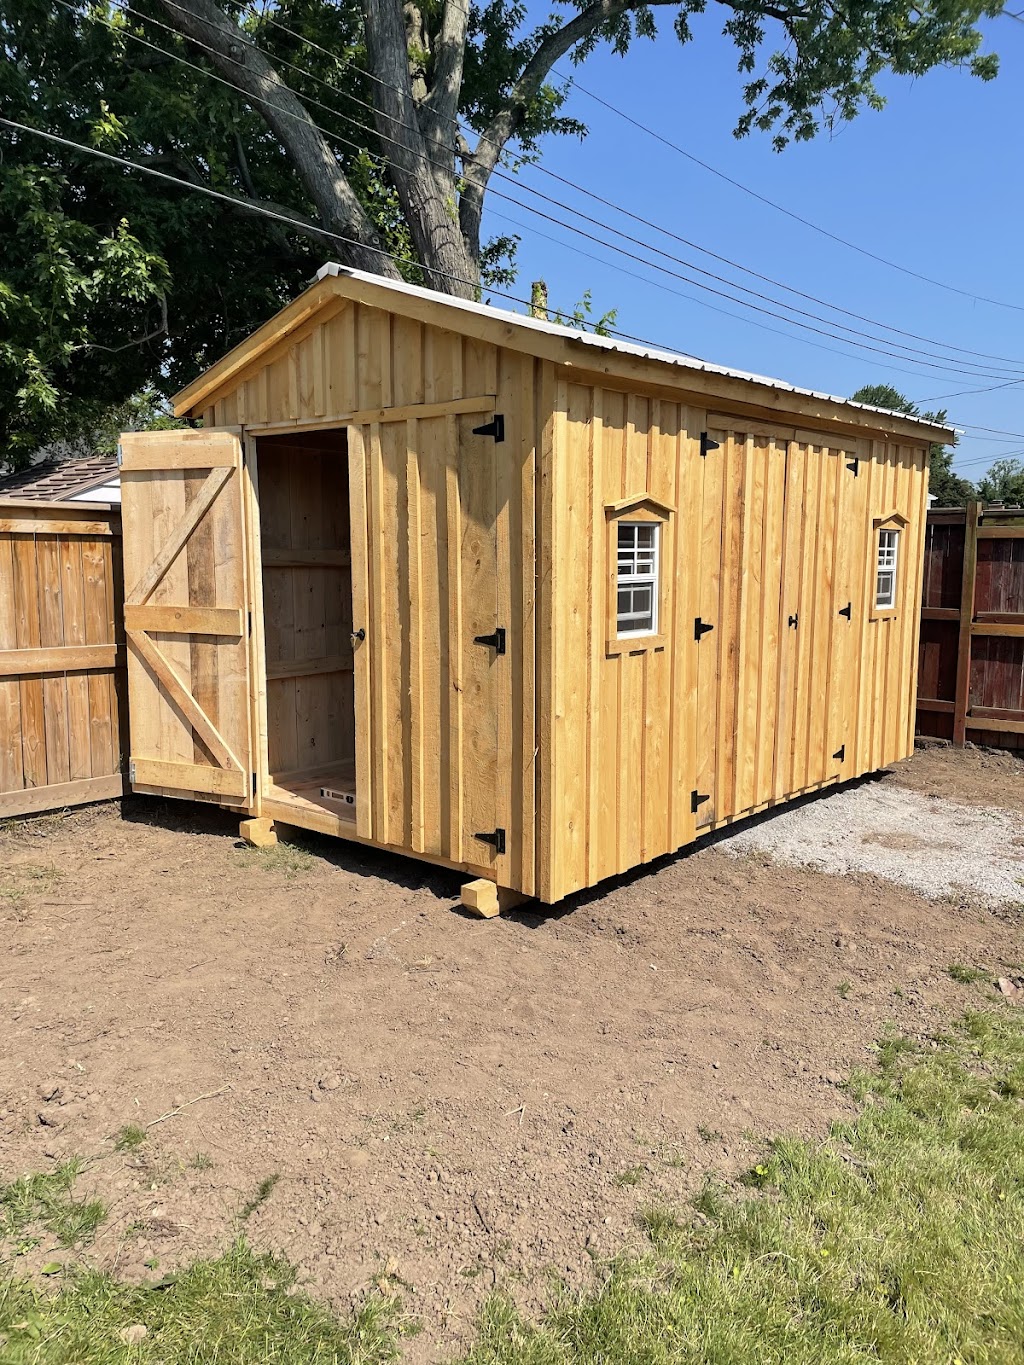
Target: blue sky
point(932, 182)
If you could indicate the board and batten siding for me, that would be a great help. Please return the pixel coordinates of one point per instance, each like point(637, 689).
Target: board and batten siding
point(445, 731)
point(772, 525)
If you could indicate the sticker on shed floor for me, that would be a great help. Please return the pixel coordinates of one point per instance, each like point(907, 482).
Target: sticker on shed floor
point(936, 847)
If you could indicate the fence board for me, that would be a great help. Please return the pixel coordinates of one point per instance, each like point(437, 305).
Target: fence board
point(62, 714)
point(971, 663)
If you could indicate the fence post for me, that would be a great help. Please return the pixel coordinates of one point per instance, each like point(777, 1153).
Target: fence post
point(963, 660)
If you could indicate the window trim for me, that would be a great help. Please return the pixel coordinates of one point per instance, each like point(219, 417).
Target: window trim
point(646, 510)
point(893, 521)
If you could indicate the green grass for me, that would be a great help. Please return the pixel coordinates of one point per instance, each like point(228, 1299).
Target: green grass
point(896, 1240)
point(129, 1138)
point(48, 1202)
point(968, 976)
point(291, 859)
point(263, 1192)
point(632, 1175)
point(240, 1309)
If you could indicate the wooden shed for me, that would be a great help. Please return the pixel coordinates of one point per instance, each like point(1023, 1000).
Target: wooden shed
point(530, 603)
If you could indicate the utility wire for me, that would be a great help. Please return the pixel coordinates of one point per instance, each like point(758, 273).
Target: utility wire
point(351, 64)
point(958, 368)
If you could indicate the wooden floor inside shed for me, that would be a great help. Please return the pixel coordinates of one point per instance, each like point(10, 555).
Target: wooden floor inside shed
point(331, 788)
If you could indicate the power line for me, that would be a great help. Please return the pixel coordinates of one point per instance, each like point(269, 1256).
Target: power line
point(606, 203)
point(935, 364)
point(806, 222)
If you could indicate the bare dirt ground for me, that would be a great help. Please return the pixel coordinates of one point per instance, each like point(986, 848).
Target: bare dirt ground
point(449, 1104)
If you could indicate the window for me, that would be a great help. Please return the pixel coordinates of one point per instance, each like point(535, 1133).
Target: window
point(885, 580)
point(637, 578)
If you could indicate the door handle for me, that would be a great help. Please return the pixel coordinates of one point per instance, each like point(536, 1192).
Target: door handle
point(357, 636)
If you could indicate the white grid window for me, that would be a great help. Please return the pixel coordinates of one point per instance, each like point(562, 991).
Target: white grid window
point(637, 607)
point(888, 557)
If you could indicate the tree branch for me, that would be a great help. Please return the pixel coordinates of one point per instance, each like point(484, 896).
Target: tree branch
point(309, 151)
point(438, 112)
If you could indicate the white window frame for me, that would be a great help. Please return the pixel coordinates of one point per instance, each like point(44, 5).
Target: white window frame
point(649, 577)
point(887, 562)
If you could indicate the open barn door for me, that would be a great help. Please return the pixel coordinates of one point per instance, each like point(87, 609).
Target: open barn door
point(186, 613)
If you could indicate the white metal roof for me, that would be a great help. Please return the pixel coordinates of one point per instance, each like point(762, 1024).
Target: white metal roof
point(603, 343)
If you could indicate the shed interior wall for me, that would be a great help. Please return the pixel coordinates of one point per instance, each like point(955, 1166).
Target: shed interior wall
point(306, 561)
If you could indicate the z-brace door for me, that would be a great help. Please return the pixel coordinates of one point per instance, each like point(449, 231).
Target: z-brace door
point(425, 570)
point(186, 613)
point(741, 490)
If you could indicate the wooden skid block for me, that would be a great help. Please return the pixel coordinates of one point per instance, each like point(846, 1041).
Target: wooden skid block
point(259, 832)
point(487, 900)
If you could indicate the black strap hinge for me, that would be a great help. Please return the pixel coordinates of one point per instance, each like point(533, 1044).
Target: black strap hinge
point(701, 628)
point(495, 428)
point(495, 641)
point(496, 840)
point(698, 798)
point(840, 753)
point(706, 444)
point(847, 611)
point(854, 467)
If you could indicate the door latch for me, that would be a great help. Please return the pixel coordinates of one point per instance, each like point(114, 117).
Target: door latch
point(794, 620)
point(701, 628)
point(495, 641)
point(495, 839)
point(357, 637)
point(847, 611)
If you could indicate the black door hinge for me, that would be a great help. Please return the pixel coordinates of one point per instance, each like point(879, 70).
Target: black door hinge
point(840, 753)
point(847, 611)
point(698, 798)
point(496, 840)
point(854, 467)
point(700, 628)
point(495, 428)
point(794, 620)
point(495, 641)
point(706, 444)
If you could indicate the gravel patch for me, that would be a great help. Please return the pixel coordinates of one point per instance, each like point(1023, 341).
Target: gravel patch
point(936, 847)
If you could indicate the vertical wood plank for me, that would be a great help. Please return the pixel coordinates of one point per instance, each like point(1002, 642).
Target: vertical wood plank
point(12, 772)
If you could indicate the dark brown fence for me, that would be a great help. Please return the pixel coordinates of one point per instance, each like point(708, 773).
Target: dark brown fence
point(971, 665)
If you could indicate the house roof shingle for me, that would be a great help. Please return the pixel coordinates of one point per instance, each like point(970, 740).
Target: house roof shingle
point(53, 481)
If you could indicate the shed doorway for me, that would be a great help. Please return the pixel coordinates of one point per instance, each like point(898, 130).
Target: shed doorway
point(305, 548)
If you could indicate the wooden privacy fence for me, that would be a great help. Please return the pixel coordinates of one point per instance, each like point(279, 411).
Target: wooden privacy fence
point(971, 674)
point(62, 665)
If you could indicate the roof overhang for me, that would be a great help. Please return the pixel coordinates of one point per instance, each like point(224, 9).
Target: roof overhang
point(583, 351)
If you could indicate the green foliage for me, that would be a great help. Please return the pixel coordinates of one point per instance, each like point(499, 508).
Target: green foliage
point(583, 320)
point(950, 489)
point(48, 1202)
point(114, 284)
point(896, 1240)
point(239, 1309)
point(1004, 482)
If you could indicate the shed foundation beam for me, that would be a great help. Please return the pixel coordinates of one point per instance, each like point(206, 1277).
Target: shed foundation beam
point(259, 832)
point(486, 899)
